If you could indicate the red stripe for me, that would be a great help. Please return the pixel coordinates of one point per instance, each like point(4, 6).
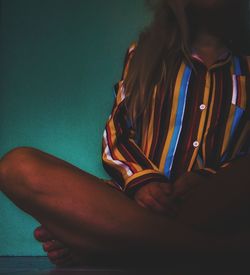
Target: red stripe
point(239, 91)
point(112, 153)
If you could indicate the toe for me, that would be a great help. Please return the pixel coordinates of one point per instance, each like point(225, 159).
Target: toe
point(42, 234)
point(52, 245)
point(58, 254)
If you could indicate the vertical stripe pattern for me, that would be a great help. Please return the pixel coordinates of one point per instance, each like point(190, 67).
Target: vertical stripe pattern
point(202, 123)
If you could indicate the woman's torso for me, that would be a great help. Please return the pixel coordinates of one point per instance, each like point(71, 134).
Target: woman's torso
point(203, 121)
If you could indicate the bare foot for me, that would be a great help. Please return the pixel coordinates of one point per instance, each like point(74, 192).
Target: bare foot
point(56, 251)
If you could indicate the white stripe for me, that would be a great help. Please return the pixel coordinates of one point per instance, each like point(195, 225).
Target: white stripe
point(109, 157)
point(234, 96)
point(122, 91)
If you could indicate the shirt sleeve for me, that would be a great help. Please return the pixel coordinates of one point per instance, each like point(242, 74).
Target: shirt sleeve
point(122, 158)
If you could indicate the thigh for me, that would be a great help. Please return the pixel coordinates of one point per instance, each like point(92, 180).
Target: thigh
point(62, 196)
point(86, 214)
point(83, 211)
point(220, 204)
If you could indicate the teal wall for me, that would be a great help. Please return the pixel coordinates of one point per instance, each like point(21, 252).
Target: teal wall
point(59, 62)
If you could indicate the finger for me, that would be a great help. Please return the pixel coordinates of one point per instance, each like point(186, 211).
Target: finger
point(166, 187)
point(141, 203)
point(180, 195)
point(180, 187)
point(52, 245)
point(42, 234)
point(153, 204)
point(148, 201)
point(169, 207)
point(162, 193)
point(159, 195)
point(161, 188)
point(185, 184)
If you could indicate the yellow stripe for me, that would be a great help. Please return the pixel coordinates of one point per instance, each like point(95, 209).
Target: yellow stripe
point(113, 138)
point(131, 48)
point(151, 122)
point(114, 149)
point(211, 107)
point(113, 134)
point(242, 84)
point(228, 128)
point(243, 91)
point(135, 145)
point(144, 133)
point(120, 157)
point(119, 93)
point(229, 121)
point(112, 164)
point(141, 173)
point(171, 127)
point(246, 130)
point(202, 120)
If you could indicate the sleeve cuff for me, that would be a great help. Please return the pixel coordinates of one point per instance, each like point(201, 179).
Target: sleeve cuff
point(142, 178)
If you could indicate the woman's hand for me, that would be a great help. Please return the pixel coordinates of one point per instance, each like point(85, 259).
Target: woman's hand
point(186, 184)
point(167, 198)
point(155, 196)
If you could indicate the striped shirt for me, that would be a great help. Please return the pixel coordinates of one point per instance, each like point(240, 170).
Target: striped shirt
point(202, 124)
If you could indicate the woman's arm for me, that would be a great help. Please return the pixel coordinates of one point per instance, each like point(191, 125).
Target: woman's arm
point(122, 158)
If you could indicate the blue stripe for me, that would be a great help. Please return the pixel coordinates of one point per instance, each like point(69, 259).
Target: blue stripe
point(237, 68)
point(200, 158)
point(178, 121)
point(224, 156)
point(237, 116)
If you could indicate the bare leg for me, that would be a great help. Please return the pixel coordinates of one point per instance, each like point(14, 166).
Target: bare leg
point(220, 204)
point(93, 218)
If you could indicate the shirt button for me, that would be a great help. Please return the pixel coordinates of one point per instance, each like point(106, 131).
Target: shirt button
point(202, 106)
point(196, 143)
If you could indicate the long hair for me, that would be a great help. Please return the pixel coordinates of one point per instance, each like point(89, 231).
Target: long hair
point(160, 48)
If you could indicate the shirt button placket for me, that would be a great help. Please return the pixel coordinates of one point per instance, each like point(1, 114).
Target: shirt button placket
point(203, 108)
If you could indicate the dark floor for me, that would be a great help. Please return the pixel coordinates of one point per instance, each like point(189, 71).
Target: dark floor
point(41, 266)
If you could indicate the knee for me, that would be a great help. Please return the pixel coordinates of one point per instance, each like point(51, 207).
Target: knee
point(20, 163)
